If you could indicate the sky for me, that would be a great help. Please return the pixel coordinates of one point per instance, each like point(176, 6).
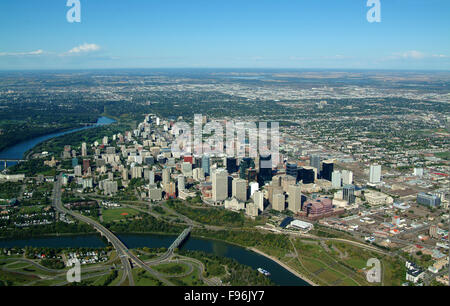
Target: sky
point(333, 34)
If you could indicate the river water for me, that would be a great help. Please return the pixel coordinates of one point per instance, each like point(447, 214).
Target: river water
point(17, 151)
point(279, 275)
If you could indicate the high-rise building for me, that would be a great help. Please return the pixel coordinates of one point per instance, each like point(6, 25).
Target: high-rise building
point(77, 170)
point(347, 177)
point(86, 165)
point(219, 180)
point(279, 202)
point(186, 168)
point(239, 190)
point(307, 175)
point(291, 169)
point(314, 161)
point(152, 177)
point(231, 164)
point(254, 186)
point(136, 172)
point(258, 199)
point(375, 174)
point(295, 198)
point(245, 164)
point(265, 168)
point(181, 183)
point(165, 176)
point(348, 193)
point(83, 149)
point(327, 170)
point(206, 165)
point(336, 179)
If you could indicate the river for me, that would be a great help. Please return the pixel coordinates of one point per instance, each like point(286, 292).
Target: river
point(279, 275)
point(18, 151)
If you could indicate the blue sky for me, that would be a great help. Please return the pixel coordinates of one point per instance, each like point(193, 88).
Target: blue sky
point(413, 34)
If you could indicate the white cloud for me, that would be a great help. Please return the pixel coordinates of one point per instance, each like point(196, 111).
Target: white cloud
point(37, 52)
point(412, 54)
point(84, 48)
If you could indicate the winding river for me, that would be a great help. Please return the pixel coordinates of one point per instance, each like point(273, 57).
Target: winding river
point(18, 150)
point(279, 275)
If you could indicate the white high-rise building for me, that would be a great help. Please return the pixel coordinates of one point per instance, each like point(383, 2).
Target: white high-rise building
point(375, 174)
point(254, 186)
point(295, 198)
point(258, 199)
point(347, 177)
point(83, 149)
point(152, 177)
point(336, 179)
point(219, 185)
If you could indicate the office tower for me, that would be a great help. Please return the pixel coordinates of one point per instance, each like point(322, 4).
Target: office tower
point(198, 174)
point(375, 174)
point(86, 165)
point(348, 193)
point(74, 162)
point(307, 175)
point(83, 149)
point(276, 181)
point(279, 202)
point(170, 190)
point(219, 185)
point(136, 172)
point(206, 165)
point(231, 164)
point(347, 177)
point(239, 189)
point(105, 140)
point(125, 174)
point(336, 179)
point(258, 199)
point(77, 170)
point(165, 176)
point(265, 168)
point(152, 177)
point(428, 199)
point(314, 161)
point(181, 182)
point(186, 168)
point(254, 186)
point(295, 198)
point(327, 170)
point(245, 164)
point(292, 169)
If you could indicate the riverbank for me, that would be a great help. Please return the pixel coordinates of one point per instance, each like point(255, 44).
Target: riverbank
point(284, 266)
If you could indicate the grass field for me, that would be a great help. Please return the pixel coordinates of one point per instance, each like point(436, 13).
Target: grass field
point(117, 214)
